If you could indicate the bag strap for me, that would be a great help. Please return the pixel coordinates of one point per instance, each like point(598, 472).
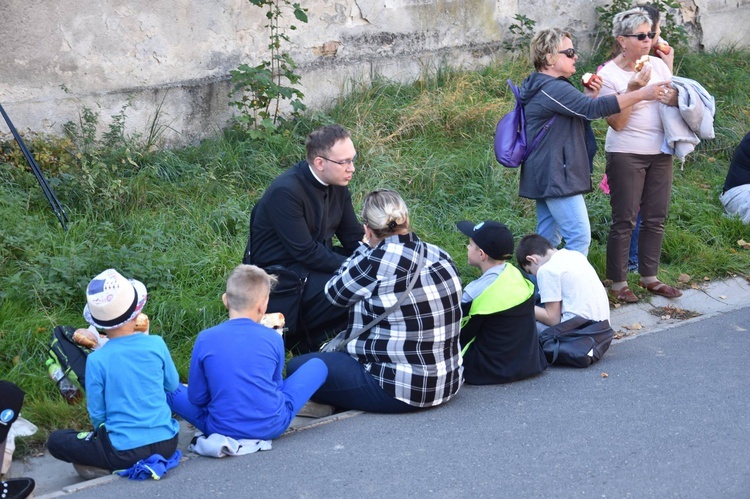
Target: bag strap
point(545, 128)
point(555, 349)
point(247, 257)
point(539, 136)
point(389, 310)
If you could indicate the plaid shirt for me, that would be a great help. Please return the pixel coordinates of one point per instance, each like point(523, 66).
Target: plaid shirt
point(414, 351)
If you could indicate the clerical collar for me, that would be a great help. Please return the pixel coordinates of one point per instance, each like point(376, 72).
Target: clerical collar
point(315, 176)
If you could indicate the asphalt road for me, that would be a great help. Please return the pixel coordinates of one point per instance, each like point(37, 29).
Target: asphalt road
point(669, 420)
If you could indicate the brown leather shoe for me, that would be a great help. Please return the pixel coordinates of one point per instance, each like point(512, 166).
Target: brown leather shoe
point(622, 295)
point(661, 289)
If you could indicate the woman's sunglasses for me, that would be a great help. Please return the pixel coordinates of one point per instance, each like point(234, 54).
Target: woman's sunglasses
point(571, 53)
point(642, 36)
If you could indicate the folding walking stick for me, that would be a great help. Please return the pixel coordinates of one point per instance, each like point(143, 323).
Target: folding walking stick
point(53, 201)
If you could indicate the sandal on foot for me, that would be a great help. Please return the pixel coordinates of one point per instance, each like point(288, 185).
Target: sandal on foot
point(661, 289)
point(623, 295)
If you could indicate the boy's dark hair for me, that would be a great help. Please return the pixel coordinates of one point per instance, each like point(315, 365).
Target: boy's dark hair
point(653, 13)
point(533, 244)
point(320, 142)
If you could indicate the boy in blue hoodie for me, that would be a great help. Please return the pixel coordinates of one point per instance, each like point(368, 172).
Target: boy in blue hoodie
point(235, 386)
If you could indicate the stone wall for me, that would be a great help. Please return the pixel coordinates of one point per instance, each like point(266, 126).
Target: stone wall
point(173, 58)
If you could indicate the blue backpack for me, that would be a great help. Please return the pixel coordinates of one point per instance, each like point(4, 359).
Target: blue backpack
point(510, 135)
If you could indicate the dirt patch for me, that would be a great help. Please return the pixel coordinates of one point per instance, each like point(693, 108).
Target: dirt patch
point(672, 312)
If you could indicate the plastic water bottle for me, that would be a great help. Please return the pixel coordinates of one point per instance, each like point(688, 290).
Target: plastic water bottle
point(67, 388)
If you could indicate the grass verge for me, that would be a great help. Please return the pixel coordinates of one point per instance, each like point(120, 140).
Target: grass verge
point(177, 219)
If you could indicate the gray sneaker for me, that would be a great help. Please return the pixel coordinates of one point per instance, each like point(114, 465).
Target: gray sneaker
point(314, 410)
point(90, 472)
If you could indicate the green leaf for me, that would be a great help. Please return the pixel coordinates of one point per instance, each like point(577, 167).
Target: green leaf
point(300, 13)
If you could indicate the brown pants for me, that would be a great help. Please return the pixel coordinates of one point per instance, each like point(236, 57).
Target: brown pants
point(637, 182)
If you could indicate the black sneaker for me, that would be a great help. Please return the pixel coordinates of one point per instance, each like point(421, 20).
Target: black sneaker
point(16, 488)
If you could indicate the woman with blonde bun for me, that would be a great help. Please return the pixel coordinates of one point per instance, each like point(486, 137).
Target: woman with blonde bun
point(410, 359)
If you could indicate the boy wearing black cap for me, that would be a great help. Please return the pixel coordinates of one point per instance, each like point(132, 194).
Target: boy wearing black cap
point(498, 331)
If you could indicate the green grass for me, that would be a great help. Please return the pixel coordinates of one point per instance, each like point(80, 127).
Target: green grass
point(178, 219)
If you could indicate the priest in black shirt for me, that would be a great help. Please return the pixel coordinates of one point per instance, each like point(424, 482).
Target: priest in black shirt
point(293, 226)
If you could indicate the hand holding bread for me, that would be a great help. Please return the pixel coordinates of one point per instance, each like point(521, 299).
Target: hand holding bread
point(274, 320)
point(86, 338)
point(640, 78)
point(142, 323)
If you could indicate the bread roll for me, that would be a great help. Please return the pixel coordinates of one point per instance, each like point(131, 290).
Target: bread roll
point(641, 62)
point(274, 320)
point(86, 338)
point(142, 323)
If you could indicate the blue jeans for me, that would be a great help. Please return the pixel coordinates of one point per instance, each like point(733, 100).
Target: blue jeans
point(349, 385)
point(297, 390)
point(564, 218)
point(633, 252)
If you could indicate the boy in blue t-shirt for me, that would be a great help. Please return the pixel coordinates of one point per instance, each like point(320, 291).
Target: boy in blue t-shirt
point(235, 386)
point(126, 384)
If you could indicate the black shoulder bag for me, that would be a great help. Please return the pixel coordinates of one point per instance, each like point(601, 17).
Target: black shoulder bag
point(577, 342)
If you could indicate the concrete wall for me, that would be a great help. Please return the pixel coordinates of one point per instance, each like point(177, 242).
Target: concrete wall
point(61, 55)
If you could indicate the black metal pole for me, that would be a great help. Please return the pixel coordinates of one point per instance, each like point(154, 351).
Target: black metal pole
point(46, 189)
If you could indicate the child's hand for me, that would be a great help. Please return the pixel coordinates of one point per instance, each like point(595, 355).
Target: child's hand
point(86, 338)
point(274, 320)
point(142, 323)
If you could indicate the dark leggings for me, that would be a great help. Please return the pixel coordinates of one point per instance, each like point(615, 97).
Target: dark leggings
point(349, 385)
